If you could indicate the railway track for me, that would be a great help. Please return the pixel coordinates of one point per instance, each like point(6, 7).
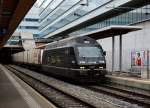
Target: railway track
point(59, 98)
point(127, 95)
point(74, 96)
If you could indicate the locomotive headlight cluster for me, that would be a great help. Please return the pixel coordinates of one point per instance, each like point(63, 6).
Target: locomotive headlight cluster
point(101, 67)
point(101, 61)
point(82, 67)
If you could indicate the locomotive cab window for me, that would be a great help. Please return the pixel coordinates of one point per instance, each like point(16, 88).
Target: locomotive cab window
point(90, 52)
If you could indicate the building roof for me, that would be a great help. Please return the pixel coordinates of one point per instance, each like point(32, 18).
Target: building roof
point(112, 31)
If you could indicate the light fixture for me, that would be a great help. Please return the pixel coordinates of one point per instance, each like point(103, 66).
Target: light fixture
point(85, 3)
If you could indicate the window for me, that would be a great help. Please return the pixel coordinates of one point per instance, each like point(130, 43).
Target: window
point(31, 19)
point(90, 52)
point(31, 27)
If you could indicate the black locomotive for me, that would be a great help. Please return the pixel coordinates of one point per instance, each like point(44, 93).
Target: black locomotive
point(80, 58)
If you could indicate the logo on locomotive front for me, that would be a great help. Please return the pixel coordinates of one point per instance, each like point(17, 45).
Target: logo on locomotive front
point(55, 60)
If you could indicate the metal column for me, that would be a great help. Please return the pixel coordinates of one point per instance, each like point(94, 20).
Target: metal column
point(120, 53)
point(148, 74)
point(113, 53)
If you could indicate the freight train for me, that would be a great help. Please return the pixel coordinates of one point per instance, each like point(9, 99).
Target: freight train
point(77, 58)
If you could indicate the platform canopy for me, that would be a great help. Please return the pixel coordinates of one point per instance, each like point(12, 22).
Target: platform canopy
point(111, 31)
point(11, 14)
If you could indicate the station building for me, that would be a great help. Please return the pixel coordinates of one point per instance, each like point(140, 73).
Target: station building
point(30, 23)
point(49, 17)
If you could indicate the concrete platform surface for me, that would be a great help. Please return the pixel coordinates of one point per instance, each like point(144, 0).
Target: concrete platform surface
point(130, 81)
point(14, 93)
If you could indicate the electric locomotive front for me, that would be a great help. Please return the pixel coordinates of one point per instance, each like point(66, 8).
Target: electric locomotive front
point(90, 58)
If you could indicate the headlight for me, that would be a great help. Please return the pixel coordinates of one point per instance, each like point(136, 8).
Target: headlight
point(82, 62)
point(101, 67)
point(101, 61)
point(82, 67)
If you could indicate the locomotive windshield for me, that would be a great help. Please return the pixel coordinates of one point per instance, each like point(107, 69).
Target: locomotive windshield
point(90, 52)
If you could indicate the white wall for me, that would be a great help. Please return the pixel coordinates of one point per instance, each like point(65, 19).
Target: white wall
point(138, 40)
point(28, 42)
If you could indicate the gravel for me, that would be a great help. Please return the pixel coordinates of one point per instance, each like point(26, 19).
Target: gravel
point(58, 98)
point(132, 89)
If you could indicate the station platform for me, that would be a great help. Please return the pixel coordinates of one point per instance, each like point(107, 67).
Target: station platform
point(14, 93)
point(135, 82)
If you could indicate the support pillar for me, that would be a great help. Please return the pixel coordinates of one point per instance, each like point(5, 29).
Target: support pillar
point(120, 53)
point(148, 74)
point(113, 53)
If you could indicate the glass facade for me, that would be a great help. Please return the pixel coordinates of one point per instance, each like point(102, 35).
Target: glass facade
point(50, 15)
point(53, 17)
point(55, 14)
point(128, 18)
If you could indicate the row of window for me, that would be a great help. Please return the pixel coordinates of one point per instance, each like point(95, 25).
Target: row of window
point(31, 19)
point(28, 27)
point(16, 40)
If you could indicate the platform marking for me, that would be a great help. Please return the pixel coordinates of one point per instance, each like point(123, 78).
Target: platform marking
point(28, 99)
